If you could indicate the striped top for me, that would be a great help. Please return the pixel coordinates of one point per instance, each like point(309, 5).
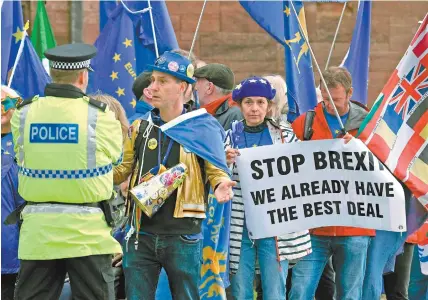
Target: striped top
point(292, 246)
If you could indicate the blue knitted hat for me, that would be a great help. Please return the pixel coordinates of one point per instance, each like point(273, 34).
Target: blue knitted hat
point(175, 65)
point(253, 87)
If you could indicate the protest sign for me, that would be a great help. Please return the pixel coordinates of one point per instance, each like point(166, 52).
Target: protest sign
point(297, 186)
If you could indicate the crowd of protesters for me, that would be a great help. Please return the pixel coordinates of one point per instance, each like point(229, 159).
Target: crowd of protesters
point(76, 222)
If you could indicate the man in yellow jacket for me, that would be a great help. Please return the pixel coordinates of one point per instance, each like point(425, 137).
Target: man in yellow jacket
point(66, 145)
point(171, 238)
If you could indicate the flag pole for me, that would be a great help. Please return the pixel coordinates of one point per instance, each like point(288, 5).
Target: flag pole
point(335, 36)
point(319, 70)
point(153, 28)
point(197, 29)
point(18, 55)
point(148, 9)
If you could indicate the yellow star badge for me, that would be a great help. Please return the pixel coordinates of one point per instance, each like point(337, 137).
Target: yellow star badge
point(120, 92)
point(133, 103)
point(116, 57)
point(114, 76)
point(127, 43)
point(287, 11)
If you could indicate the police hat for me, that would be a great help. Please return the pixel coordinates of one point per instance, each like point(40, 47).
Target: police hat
point(175, 65)
point(71, 56)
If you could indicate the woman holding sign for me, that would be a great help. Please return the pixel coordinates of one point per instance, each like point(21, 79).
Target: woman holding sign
point(254, 96)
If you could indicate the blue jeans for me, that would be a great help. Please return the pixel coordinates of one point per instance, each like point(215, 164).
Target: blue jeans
point(180, 257)
point(349, 261)
point(418, 286)
point(273, 273)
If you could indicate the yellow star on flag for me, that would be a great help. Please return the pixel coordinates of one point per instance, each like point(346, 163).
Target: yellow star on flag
point(116, 57)
point(113, 75)
point(287, 11)
point(19, 35)
point(120, 92)
point(127, 43)
point(133, 103)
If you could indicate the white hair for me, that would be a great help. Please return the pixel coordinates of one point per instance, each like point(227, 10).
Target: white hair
point(280, 101)
point(222, 91)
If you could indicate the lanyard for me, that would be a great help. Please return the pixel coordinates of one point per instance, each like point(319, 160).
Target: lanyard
point(165, 158)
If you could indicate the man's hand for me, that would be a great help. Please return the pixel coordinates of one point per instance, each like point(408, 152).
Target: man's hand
point(347, 138)
point(224, 192)
point(117, 260)
point(231, 155)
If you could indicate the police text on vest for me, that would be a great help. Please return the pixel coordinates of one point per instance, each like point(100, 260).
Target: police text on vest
point(54, 133)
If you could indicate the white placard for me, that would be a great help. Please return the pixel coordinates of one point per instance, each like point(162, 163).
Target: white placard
point(298, 186)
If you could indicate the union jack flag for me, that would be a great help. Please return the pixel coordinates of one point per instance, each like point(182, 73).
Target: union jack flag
point(411, 89)
point(396, 129)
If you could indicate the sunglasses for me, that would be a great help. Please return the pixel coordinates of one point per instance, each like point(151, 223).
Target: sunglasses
point(9, 103)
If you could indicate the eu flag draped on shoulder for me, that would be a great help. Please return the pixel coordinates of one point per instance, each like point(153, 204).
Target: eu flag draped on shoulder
point(357, 58)
point(395, 130)
point(30, 78)
point(280, 21)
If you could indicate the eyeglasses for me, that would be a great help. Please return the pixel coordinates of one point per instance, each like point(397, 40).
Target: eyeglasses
point(9, 103)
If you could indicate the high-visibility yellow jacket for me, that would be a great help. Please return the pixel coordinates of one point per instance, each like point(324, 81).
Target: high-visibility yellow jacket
point(66, 146)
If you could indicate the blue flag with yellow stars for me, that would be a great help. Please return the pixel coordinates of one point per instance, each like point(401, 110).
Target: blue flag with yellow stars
point(143, 33)
point(114, 64)
point(126, 46)
point(279, 20)
point(30, 77)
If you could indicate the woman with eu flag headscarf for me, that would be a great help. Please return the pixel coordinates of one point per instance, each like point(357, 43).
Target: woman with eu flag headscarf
point(274, 255)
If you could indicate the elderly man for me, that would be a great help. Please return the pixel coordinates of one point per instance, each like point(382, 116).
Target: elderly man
point(214, 85)
point(171, 238)
point(347, 245)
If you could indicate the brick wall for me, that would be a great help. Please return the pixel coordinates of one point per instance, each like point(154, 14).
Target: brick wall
point(228, 35)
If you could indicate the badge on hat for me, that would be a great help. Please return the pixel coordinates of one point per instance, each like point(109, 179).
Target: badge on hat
point(153, 143)
point(190, 70)
point(173, 66)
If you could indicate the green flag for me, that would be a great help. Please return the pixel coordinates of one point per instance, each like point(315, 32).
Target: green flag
point(42, 36)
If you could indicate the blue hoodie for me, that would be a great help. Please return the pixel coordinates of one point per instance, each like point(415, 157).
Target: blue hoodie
point(10, 200)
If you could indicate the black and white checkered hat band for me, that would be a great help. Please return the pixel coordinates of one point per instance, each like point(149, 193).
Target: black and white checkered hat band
point(70, 65)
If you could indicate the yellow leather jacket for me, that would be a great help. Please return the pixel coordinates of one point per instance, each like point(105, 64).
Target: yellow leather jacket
point(190, 195)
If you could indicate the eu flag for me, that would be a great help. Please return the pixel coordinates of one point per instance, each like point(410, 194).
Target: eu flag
point(280, 21)
point(134, 56)
point(114, 64)
point(357, 58)
point(143, 34)
point(30, 77)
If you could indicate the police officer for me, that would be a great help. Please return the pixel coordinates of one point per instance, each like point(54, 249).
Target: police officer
point(66, 145)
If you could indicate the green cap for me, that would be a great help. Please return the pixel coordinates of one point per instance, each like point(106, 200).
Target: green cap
point(220, 75)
